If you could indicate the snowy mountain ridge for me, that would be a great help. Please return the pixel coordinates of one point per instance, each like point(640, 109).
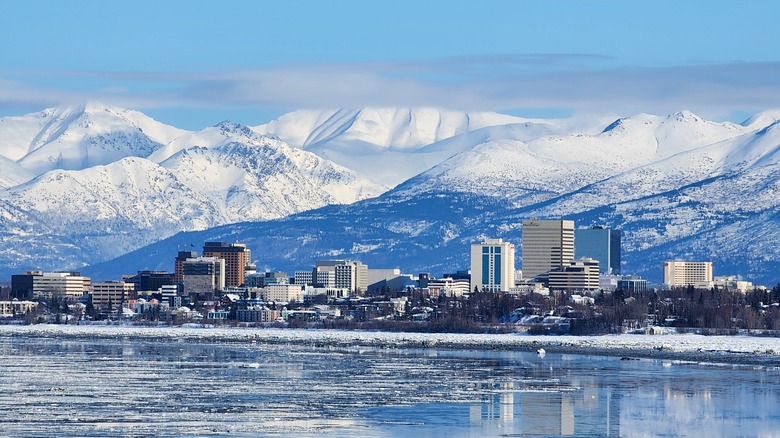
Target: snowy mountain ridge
point(676, 184)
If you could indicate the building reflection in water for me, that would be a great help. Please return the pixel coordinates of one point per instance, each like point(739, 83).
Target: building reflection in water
point(511, 410)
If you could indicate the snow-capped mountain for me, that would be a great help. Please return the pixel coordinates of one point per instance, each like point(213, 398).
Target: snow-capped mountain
point(223, 174)
point(680, 188)
point(75, 138)
point(384, 144)
point(529, 171)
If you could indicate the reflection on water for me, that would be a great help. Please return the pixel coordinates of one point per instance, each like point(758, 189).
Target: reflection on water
point(84, 387)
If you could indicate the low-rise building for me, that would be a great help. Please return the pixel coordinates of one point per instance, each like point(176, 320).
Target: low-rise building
point(733, 283)
point(449, 287)
point(16, 307)
point(577, 275)
point(69, 285)
point(283, 293)
point(632, 284)
point(111, 293)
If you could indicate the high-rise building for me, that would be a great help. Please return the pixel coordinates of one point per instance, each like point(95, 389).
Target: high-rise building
point(236, 257)
point(547, 245)
point(602, 244)
point(492, 265)
point(202, 276)
point(178, 272)
point(22, 284)
point(698, 274)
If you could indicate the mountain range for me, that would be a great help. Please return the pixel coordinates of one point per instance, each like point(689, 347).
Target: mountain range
point(408, 188)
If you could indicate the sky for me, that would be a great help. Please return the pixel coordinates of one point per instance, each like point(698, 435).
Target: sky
point(195, 63)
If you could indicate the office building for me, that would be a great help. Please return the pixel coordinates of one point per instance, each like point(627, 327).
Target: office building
point(577, 275)
point(632, 284)
point(602, 244)
point(683, 274)
point(547, 245)
point(178, 271)
point(237, 257)
point(202, 276)
point(341, 274)
point(150, 281)
point(45, 285)
point(110, 294)
point(283, 293)
point(492, 266)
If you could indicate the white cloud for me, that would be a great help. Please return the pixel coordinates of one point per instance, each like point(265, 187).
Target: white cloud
point(583, 84)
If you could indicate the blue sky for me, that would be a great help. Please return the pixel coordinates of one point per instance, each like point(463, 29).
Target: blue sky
point(195, 63)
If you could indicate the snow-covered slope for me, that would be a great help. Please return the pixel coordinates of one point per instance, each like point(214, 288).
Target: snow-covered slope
point(74, 138)
point(679, 187)
point(381, 143)
point(12, 174)
point(529, 170)
point(219, 175)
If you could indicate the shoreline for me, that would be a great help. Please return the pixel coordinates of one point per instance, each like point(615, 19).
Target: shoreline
point(735, 350)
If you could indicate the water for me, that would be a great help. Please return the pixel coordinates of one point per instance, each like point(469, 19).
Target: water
point(52, 386)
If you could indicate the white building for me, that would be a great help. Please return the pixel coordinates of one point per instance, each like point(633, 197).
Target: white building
point(547, 245)
point(16, 307)
point(449, 287)
point(733, 283)
point(683, 274)
point(492, 266)
point(283, 293)
point(341, 274)
point(60, 285)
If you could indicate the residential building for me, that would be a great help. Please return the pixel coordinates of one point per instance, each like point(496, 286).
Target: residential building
point(683, 274)
point(602, 244)
point(547, 245)
point(257, 314)
point(112, 293)
point(492, 266)
point(577, 275)
point(16, 307)
point(237, 257)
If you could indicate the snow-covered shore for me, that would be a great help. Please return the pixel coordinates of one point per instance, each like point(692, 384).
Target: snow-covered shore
point(689, 347)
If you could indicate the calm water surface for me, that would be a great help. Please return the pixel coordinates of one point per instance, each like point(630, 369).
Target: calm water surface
point(127, 387)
